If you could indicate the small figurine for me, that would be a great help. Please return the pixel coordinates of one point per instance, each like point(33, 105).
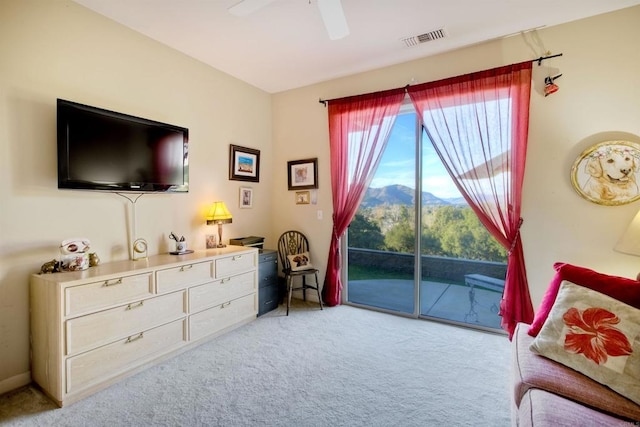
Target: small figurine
point(52, 266)
point(93, 259)
point(73, 246)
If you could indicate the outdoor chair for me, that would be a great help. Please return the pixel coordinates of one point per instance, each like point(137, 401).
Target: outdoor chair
point(293, 250)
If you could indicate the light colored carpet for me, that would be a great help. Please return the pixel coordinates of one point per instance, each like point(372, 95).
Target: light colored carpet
point(343, 366)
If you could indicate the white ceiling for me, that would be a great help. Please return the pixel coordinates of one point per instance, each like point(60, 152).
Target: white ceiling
point(284, 45)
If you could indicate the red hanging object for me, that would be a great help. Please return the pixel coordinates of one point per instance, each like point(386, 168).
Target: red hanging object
point(549, 86)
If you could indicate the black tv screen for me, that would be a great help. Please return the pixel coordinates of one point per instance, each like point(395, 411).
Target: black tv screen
point(104, 150)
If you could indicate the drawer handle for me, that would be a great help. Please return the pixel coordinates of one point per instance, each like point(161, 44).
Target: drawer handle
point(225, 304)
point(132, 306)
point(186, 267)
point(237, 257)
point(225, 280)
point(136, 338)
point(117, 282)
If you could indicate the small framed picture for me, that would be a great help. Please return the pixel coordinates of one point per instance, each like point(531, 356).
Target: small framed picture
point(303, 197)
point(246, 197)
point(303, 174)
point(211, 241)
point(244, 164)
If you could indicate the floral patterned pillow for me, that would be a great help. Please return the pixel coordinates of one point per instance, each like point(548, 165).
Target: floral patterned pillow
point(596, 335)
point(620, 288)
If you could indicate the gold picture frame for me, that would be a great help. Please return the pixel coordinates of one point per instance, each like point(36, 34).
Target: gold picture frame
point(303, 197)
point(607, 173)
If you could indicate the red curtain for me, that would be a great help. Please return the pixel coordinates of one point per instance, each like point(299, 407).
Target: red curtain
point(359, 128)
point(478, 124)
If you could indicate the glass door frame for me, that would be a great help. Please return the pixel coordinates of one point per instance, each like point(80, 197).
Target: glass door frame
point(406, 108)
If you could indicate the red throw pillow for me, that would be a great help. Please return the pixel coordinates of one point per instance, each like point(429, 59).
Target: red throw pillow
point(620, 288)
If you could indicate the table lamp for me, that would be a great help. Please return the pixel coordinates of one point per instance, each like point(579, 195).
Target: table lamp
point(219, 214)
point(629, 243)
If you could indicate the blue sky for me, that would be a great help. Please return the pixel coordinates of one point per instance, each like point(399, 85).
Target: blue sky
point(398, 162)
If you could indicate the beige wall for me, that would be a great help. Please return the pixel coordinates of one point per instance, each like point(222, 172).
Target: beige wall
point(597, 101)
point(56, 49)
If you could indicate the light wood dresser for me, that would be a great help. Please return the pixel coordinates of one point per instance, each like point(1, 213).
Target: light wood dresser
point(91, 328)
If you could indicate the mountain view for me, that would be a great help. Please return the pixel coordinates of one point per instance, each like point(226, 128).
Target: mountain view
point(402, 195)
point(448, 226)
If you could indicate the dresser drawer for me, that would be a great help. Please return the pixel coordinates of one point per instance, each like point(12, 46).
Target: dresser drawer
point(106, 293)
point(87, 332)
point(220, 317)
point(105, 362)
point(221, 291)
point(234, 264)
point(173, 279)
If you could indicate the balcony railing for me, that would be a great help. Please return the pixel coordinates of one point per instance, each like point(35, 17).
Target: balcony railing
point(434, 267)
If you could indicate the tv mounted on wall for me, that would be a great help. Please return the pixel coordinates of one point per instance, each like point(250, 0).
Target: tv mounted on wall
point(104, 150)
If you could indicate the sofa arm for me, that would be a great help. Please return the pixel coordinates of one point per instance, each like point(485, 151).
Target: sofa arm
point(530, 370)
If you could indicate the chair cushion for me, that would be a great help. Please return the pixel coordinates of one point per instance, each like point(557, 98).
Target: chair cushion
point(300, 261)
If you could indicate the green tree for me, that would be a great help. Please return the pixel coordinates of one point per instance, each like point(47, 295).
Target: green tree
point(400, 237)
point(444, 218)
point(485, 247)
point(364, 233)
point(457, 240)
point(430, 244)
point(451, 231)
point(462, 235)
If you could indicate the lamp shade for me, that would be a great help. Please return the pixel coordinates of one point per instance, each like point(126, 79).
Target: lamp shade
point(219, 214)
point(629, 243)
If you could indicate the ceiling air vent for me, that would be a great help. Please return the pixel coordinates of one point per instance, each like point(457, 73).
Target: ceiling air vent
point(426, 37)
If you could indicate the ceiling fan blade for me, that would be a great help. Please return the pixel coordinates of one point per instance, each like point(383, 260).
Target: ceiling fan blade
point(247, 7)
point(333, 17)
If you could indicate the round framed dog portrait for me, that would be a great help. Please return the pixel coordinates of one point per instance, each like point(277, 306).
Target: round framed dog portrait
point(607, 173)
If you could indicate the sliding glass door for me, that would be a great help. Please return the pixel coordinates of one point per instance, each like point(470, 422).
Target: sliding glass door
point(381, 237)
point(415, 247)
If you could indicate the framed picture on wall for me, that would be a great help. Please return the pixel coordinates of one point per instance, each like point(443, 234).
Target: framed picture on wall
point(303, 174)
point(303, 197)
point(244, 164)
point(607, 173)
point(246, 197)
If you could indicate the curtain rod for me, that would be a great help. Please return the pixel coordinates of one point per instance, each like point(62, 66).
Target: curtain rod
point(538, 60)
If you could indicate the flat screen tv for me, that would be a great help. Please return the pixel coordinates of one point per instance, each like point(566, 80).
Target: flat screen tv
point(104, 150)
